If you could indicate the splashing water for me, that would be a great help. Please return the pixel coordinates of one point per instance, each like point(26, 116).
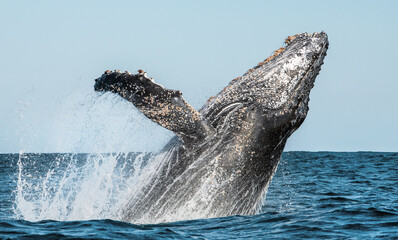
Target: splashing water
point(80, 186)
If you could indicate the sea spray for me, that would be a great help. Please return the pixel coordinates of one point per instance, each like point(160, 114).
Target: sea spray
point(77, 186)
point(102, 124)
point(88, 186)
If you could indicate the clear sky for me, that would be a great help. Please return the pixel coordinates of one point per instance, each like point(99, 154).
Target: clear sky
point(51, 51)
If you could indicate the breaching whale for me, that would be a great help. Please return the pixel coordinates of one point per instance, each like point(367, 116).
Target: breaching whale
point(223, 156)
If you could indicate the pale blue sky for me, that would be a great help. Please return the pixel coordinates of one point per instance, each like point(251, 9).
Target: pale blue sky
point(51, 51)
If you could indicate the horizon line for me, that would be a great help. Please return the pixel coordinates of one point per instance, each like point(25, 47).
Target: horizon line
point(321, 151)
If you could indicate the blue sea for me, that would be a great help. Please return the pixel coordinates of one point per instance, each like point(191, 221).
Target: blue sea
point(313, 195)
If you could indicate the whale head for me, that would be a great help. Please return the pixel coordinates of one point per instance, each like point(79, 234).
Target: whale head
point(279, 85)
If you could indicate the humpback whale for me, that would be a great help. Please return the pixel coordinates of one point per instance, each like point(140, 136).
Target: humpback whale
point(223, 156)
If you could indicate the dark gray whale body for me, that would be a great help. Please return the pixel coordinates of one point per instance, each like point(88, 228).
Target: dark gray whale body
point(224, 155)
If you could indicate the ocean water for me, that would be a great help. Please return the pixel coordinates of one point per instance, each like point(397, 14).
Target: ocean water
point(314, 195)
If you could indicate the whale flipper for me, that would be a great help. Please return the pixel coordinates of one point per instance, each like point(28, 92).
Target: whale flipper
point(164, 106)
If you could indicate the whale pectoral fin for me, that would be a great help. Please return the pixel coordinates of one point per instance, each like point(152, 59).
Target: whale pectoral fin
point(164, 106)
point(169, 109)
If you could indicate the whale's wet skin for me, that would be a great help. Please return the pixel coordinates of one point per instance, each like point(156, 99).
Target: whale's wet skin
point(223, 156)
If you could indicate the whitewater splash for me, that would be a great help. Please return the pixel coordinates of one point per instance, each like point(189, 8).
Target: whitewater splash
point(77, 186)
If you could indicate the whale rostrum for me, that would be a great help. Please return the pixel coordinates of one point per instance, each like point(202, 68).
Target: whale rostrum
point(223, 156)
